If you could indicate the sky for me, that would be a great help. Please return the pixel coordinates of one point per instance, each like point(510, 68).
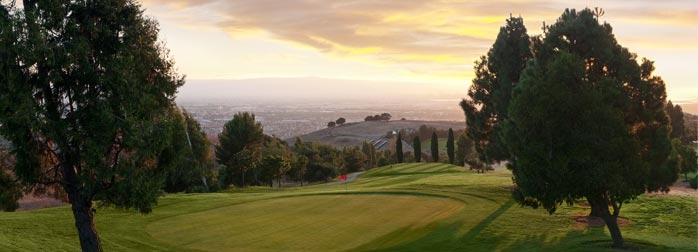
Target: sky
point(428, 44)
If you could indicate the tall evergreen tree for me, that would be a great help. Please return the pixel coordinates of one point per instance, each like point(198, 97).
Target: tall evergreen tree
point(239, 149)
point(194, 170)
point(496, 74)
point(588, 121)
point(450, 148)
point(417, 145)
point(398, 148)
point(87, 86)
point(675, 113)
point(434, 147)
point(370, 152)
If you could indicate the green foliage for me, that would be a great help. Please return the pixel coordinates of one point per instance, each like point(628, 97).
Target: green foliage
point(322, 160)
point(450, 148)
point(275, 164)
point(588, 121)
point(685, 157)
point(417, 145)
point(239, 149)
point(353, 160)
point(434, 148)
point(694, 182)
point(465, 152)
point(369, 151)
point(193, 167)
point(398, 148)
point(676, 118)
point(85, 97)
point(490, 93)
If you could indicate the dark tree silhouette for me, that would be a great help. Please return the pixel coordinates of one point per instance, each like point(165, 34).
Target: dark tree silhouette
point(588, 121)
point(434, 148)
point(496, 74)
point(417, 145)
point(86, 98)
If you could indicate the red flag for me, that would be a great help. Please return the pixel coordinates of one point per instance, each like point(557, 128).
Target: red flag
point(343, 178)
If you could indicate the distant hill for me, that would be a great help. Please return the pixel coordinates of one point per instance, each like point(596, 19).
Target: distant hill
point(377, 133)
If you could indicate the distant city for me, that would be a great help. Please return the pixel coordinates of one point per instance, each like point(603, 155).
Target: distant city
point(289, 119)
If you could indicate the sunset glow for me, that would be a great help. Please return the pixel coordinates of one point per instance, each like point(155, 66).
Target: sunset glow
point(433, 42)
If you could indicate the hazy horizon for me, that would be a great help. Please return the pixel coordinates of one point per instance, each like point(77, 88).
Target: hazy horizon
point(315, 90)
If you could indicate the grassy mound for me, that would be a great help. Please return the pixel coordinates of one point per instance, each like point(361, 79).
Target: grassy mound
point(407, 207)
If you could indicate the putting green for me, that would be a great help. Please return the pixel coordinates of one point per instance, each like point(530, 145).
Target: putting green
point(307, 223)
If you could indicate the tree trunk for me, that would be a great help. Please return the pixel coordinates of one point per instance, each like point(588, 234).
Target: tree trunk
point(595, 211)
point(612, 225)
point(82, 211)
point(84, 221)
point(601, 206)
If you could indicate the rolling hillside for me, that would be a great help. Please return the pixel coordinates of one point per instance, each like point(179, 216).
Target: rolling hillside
point(354, 134)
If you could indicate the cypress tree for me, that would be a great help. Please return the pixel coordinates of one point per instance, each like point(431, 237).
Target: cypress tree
point(398, 148)
point(450, 148)
point(434, 147)
point(417, 145)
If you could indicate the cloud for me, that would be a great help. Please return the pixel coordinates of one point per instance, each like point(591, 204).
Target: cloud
point(428, 37)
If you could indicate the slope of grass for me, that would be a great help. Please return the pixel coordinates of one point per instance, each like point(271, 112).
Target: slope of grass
point(407, 207)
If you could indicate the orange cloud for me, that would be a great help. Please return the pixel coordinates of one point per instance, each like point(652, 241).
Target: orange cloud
point(438, 38)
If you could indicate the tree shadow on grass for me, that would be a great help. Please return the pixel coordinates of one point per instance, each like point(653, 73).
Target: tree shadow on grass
point(447, 236)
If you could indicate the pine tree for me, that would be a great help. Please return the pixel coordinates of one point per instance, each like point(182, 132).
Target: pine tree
point(239, 148)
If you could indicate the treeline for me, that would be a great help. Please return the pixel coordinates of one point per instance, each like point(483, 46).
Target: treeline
point(382, 117)
point(247, 157)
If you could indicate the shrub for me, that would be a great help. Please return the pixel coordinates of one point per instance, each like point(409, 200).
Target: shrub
point(694, 182)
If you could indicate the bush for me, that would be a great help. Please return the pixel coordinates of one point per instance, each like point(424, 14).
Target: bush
point(694, 182)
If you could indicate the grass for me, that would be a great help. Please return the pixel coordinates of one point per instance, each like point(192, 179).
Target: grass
point(407, 207)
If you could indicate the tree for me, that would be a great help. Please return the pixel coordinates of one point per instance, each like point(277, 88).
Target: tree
point(465, 151)
point(331, 124)
point(450, 148)
point(687, 158)
point(385, 117)
point(353, 159)
point(417, 145)
point(398, 148)
point(195, 166)
point(341, 121)
point(275, 162)
point(87, 87)
point(322, 160)
point(490, 93)
point(370, 152)
point(240, 146)
point(588, 121)
point(677, 121)
point(434, 148)
point(300, 166)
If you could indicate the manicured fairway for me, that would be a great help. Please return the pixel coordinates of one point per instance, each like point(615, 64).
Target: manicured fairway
point(408, 207)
